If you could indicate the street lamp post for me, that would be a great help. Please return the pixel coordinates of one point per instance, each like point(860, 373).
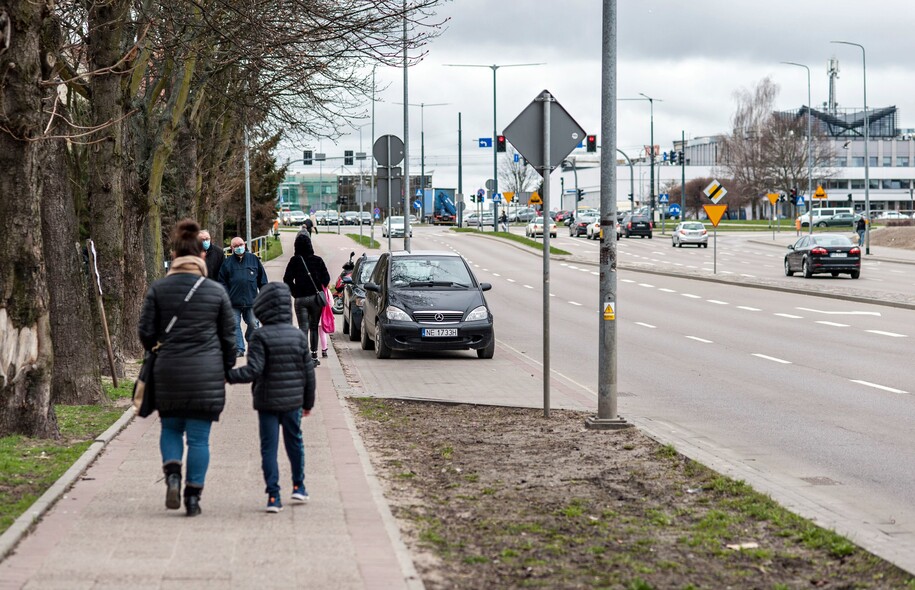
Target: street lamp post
point(495, 161)
point(651, 194)
point(422, 148)
point(809, 157)
point(867, 178)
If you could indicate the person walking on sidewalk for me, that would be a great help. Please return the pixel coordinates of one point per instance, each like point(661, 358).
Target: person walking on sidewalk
point(860, 228)
point(307, 276)
point(192, 362)
point(284, 389)
point(242, 274)
point(214, 256)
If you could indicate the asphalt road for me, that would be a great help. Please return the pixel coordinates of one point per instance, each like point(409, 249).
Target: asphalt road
point(814, 396)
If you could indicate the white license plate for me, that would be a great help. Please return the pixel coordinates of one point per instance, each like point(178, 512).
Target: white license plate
point(439, 332)
point(838, 255)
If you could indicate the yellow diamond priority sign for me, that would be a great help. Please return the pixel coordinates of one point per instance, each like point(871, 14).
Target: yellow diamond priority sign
point(715, 192)
point(820, 193)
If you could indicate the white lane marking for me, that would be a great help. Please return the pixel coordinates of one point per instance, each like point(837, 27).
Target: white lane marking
point(575, 303)
point(644, 324)
point(747, 308)
point(484, 270)
point(823, 311)
point(789, 316)
point(746, 275)
point(646, 285)
point(528, 287)
point(772, 358)
point(597, 274)
point(663, 290)
point(697, 339)
point(627, 280)
point(691, 296)
point(583, 270)
point(876, 386)
point(832, 324)
point(511, 280)
point(573, 267)
point(495, 274)
point(716, 302)
point(891, 334)
point(551, 295)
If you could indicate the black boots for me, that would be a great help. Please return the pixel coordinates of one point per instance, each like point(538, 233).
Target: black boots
point(314, 359)
point(172, 485)
point(192, 500)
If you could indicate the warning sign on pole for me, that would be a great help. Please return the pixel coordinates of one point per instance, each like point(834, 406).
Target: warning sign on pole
point(715, 213)
point(609, 311)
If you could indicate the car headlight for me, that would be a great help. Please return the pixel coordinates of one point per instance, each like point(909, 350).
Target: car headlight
point(397, 314)
point(480, 313)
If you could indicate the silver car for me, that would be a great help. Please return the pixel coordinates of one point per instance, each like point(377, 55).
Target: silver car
point(689, 232)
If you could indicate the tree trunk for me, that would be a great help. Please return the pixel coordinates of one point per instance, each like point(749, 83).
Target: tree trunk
point(26, 356)
point(75, 378)
point(135, 276)
point(106, 163)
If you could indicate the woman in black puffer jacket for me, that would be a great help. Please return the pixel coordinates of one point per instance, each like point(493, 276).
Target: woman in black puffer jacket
point(191, 364)
point(303, 287)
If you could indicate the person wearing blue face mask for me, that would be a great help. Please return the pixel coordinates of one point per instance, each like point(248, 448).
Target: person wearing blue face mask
point(242, 274)
point(214, 256)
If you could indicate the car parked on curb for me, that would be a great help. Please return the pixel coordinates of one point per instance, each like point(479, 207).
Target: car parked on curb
point(354, 295)
point(536, 228)
point(689, 232)
point(579, 226)
point(636, 225)
point(823, 253)
point(425, 301)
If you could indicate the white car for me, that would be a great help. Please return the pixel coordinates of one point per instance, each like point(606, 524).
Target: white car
point(689, 232)
point(473, 219)
point(593, 231)
point(892, 215)
point(535, 228)
point(395, 227)
point(296, 218)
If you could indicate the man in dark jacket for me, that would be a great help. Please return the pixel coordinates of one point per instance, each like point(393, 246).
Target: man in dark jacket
point(306, 274)
point(284, 389)
point(214, 255)
point(242, 274)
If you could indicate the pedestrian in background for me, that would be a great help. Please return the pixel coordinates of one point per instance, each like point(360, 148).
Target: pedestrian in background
point(242, 274)
point(307, 276)
point(503, 221)
point(860, 228)
point(284, 389)
point(193, 358)
point(214, 255)
point(309, 226)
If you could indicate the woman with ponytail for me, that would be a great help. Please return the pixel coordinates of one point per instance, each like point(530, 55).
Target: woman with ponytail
point(187, 318)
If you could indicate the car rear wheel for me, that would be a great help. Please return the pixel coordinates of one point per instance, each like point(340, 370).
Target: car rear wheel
point(855, 274)
point(346, 325)
point(489, 351)
point(808, 272)
point(364, 341)
point(649, 236)
point(381, 350)
point(788, 271)
point(821, 224)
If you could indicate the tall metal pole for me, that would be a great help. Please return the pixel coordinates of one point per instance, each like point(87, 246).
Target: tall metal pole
point(651, 154)
point(683, 177)
point(374, 194)
point(247, 194)
point(390, 184)
point(547, 99)
point(422, 150)
point(809, 152)
point(460, 185)
point(867, 177)
point(406, 141)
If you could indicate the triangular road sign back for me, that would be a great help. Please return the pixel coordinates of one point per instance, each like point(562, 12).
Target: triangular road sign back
point(715, 212)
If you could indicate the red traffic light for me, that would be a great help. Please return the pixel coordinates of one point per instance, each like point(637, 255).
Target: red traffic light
point(500, 143)
point(591, 143)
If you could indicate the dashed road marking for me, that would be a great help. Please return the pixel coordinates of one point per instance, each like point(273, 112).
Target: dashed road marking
point(717, 302)
point(837, 325)
point(697, 339)
point(789, 316)
point(646, 285)
point(772, 358)
point(495, 274)
point(665, 290)
point(528, 287)
point(876, 386)
point(691, 296)
point(575, 303)
point(645, 325)
point(748, 308)
point(511, 280)
point(891, 334)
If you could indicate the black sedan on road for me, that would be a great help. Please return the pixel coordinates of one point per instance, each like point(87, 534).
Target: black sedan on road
point(425, 301)
point(825, 253)
point(636, 225)
point(354, 295)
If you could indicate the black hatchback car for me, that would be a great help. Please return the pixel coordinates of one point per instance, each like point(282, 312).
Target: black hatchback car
point(354, 295)
point(636, 225)
point(426, 301)
point(825, 253)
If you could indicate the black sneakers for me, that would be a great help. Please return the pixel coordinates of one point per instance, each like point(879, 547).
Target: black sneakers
point(173, 491)
point(314, 359)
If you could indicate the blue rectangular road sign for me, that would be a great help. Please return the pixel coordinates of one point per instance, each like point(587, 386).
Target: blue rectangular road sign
point(664, 198)
point(485, 142)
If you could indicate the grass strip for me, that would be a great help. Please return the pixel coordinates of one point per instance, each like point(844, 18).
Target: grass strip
point(365, 241)
point(274, 250)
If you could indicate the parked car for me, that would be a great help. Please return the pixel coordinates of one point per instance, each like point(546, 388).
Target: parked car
point(394, 226)
point(562, 216)
point(474, 219)
point(366, 218)
point(350, 218)
point(579, 226)
point(320, 217)
point(523, 214)
point(820, 213)
point(536, 228)
point(637, 225)
point(426, 301)
point(892, 215)
point(593, 232)
point(823, 253)
point(296, 218)
point(689, 232)
point(331, 217)
point(838, 220)
point(354, 295)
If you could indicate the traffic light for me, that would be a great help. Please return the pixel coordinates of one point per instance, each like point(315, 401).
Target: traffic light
point(306, 157)
point(794, 196)
point(500, 143)
point(591, 143)
point(581, 194)
point(680, 157)
point(673, 158)
point(347, 157)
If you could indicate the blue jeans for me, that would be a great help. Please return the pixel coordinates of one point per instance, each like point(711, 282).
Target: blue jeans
point(860, 233)
point(269, 424)
point(171, 445)
point(251, 325)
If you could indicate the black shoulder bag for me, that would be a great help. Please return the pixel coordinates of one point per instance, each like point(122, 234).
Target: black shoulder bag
point(144, 390)
point(318, 298)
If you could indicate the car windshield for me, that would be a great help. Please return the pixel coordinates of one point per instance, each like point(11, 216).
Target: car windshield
point(395, 220)
point(298, 213)
point(434, 271)
point(831, 241)
point(365, 271)
point(537, 220)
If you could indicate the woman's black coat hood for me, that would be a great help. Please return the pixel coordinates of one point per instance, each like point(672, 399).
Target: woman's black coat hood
point(303, 246)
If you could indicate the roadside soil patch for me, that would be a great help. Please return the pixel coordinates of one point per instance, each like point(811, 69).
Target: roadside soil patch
point(493, 497)
point(894, 237)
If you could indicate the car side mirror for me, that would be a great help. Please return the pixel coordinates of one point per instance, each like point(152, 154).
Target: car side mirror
point(347, 280)
point(791, 247)
point(372, 287)
point(485, 286)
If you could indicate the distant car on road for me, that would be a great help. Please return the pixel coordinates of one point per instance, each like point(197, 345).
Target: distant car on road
point(350, 218)
point(296, 217)
point(689, 232)
point(394, 226)
point(838, 220)
point(579, 226)
point(474, 219)
point(535, 228)
point(425, 301)
point(636, 225)
point(524, 214)
point(593, 232)
point(823, 253)
point(892, 215)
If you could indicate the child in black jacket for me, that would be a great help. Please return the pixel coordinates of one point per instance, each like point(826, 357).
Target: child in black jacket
point(280, 366)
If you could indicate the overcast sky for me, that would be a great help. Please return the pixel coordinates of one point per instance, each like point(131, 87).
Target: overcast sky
point(690, 56)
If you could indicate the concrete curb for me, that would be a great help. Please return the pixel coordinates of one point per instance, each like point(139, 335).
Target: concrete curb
point(404, 557)
point(23, 525)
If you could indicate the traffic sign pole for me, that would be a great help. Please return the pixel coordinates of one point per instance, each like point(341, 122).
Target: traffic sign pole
point(547, 99)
